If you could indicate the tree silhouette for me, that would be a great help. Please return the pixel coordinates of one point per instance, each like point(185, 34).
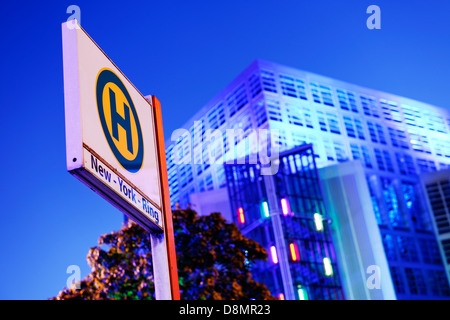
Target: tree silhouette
point(214, 262)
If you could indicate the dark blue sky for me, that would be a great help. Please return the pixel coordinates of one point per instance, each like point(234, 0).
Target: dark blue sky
point(184, 52)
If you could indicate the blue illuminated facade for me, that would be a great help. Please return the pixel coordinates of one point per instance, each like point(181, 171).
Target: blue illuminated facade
point(394, 138)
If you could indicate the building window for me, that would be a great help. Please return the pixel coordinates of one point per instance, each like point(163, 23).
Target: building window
point(182, 173)
point(274, 110)
point(352, 102)
point(389, 245)
point(321, 119)
point(293, 115)
point(333, 123)
point(298, 139)
point(322, 94)
point(209, 185)
point(397, 279)
point(308, 118)
point(412, 116)
point(441, 147)
point(438, 282)
point(329, 150)
point(425, 165)
point(268, 81)
point(315, 93)
point(435, 122)
point(388, 161)
point(288, 86)
point(369, 106)
point(347, 100)
point(342, 98)
point(376, 132)
point(416, 281)
point(419, 142)
point(349, 127)
point(366, 157)
point(398, 138)
point(355, 151)
point(341, 154)
point(237, 100)
point(327, 95)
point(439, 205)
point(359, 129)
point(419, 217)
point(379, 159)
point(260, 113)
point(292, 87)
point(301, 89)
point(201, 186)
point(395, 215)
point(407, 249)
point(372, 132)
point(405, 164)
point(384, 161)
point(254, 84)
point(372, 184)
point(380, 133)
point(390, 111)
point(430, 251)
point(216, 117)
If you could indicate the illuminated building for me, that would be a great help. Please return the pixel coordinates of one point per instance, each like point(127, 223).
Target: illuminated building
point(286, 214)
point(370, 148)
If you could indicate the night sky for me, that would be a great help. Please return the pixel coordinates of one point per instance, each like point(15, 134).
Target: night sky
point(184, 52)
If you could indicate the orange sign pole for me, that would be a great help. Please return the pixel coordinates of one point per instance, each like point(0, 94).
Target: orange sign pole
point(167, 211)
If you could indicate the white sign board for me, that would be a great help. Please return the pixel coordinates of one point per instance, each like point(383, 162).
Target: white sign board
point(110, 132)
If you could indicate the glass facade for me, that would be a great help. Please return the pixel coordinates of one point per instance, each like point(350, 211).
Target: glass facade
point(395, 138)
point(437, 187)
point(308, 255)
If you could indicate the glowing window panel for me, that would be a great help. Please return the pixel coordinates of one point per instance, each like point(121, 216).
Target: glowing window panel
point(241, 215)
point(302, 293)
point(281, 296)
point(294, 252)
point(273, 253)
point(285, 206)
point(318, 222)
point(328, 267)
point(265, 209)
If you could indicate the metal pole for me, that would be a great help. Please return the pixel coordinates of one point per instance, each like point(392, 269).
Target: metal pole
point(161, 275)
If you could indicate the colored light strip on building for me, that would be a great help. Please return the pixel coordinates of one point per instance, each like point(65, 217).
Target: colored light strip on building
point(294, 251)
point(241, 215)
point(281, 296)
point(318, 222)
point(302, 293)
point(273, 252)
point(285, 206)
point(265, 209)
point(328, 267)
